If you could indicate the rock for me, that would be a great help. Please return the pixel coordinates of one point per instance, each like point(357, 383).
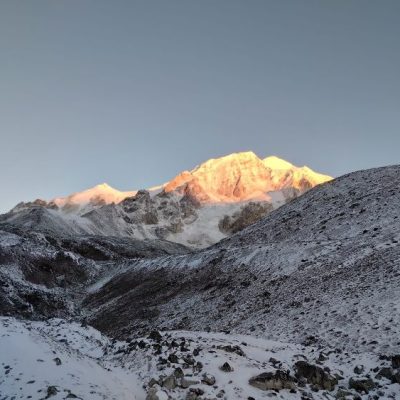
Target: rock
point(179, 373)
point(155, 335)
point(246, 216)
point(226, 367)
point(155, 393)
point(315, 375)
point(169, 382)
point(396, 361)
point(57, 361)
point(51, 391)
point(275, 363)
point(273, 381)
point(208, 379)
point(358, 369)
point(153, 382)
point(194, 393)
point(343, 394)
point(173, 358)
point(185, 383)
point(361, 385)
point(188, 360)
point(233, 349)
point(197, 391)
point(220, 394)
point(389, 374)
point(197, 367)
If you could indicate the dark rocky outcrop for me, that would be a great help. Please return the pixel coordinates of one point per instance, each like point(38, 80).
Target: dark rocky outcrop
point(248, 214)
point(361, 385)
point(273, 381)
point(315, 375)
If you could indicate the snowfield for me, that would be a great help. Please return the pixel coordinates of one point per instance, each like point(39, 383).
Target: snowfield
point(63, 360)
point(59, 360)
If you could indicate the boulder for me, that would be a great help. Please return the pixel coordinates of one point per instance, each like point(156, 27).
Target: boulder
point(208, 379)
point(185, 383)
point(315, 375)
point(169, 382)
point(155, 335)
point(273, 381)
point(361, 385)
point(388, 373)
point(226, 367)
point(155, 393)
point(396, 361)
point(173, 358)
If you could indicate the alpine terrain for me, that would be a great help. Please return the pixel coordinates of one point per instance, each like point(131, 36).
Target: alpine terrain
point(196, 208)
point(244, 278)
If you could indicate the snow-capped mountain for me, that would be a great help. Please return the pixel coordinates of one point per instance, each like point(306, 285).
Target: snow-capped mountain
point(303, 304)
point(196, 208)
point(322, 268)
point(243, 177)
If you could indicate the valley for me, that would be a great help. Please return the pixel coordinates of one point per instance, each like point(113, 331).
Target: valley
point(301, 303)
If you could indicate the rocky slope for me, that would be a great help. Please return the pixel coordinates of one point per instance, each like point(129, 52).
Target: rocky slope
point(62, 360)
point(44, 275)
point(196, 208)
point(323, 269)
point(303, 304)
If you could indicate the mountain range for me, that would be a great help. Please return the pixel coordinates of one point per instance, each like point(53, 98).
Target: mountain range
point(296, 298)
point(196, 208)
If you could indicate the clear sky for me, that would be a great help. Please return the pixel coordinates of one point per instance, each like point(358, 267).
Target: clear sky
point(133, 92)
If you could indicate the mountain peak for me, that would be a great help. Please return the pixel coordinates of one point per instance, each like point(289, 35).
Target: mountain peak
point(102, 193)
point(244, 156)
point(103, 186)
point(274, 162)
point(233, 178)
point(241, 177)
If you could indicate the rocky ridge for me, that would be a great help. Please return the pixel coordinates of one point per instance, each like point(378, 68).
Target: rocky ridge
point(196, 208)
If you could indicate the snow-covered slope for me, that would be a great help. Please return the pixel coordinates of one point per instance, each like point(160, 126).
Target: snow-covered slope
point(322, 269)
point(196, 208)
point(44, 276)
point(62, 360)
point(303, 304)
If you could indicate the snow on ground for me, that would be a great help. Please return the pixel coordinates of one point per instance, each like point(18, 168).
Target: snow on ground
point(247, 357)
point(61, 360)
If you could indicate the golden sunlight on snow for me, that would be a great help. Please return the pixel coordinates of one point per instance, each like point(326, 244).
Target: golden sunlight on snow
point(102, 193)
point(233, 178)
point(243, 176)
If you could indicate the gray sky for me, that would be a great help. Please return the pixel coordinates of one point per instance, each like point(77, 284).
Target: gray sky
point(133, 92)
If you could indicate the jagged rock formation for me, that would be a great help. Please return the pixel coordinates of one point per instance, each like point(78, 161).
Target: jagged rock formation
point(196, 208)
